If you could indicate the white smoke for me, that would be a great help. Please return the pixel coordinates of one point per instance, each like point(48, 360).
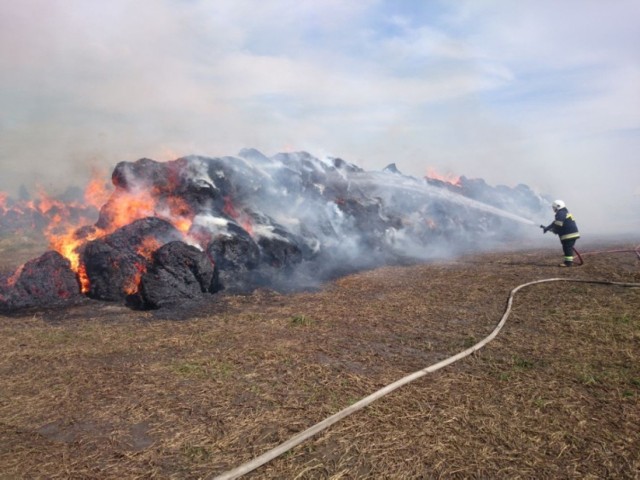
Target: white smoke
point(299, 219)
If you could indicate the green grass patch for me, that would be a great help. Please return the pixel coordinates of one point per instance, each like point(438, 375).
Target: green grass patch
point(196, 453)
point(301, 321)
point(523, 363)
point(622, 319)
point(469, 341)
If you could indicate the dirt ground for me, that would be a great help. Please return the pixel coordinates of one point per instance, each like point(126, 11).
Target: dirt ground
point(100, 391)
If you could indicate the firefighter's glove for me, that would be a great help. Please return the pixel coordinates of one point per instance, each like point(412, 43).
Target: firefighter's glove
point(544, 229)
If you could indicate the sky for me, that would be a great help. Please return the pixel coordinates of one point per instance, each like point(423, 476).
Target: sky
point(540, 92)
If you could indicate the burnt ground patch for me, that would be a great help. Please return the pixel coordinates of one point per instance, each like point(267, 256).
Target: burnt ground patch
point(101, 391)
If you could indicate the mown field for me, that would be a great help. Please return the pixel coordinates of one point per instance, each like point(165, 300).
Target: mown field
point(101, 391)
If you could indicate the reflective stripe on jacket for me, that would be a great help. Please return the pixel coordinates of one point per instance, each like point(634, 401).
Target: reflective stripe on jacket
point(564, 225)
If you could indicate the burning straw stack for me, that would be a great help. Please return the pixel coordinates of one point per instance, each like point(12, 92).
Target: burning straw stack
point(188, 228)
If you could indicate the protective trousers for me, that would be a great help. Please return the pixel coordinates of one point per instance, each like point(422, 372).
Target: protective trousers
point(567, 248)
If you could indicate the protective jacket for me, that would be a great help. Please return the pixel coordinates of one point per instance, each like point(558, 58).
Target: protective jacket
point(564, 225)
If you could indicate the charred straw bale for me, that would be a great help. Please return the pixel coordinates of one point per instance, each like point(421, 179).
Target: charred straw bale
point(115, 261)
point(177, 272)
point(44, 281)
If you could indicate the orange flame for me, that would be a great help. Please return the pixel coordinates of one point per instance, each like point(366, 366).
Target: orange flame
point(44, 204)
point(97, 192)
point(133, 285)
point(181, 215)
point(167, 153)
point(447, 177)
point(125, 207)
point(122, 208)
point(67, 244)
point(241, 217)
point(148, 246)
point(11, 281)
point(118, 208)
point(61, 220)
point(247, 225)
point(83, 278)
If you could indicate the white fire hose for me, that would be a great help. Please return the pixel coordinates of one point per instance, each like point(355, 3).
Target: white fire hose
point(327, 422)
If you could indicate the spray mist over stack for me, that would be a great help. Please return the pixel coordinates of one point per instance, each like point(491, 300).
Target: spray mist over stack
point(184, 229)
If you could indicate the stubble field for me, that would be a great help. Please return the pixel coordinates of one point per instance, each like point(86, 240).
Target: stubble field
point(101, 391)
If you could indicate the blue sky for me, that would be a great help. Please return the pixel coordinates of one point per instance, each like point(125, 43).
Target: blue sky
point(540, 92)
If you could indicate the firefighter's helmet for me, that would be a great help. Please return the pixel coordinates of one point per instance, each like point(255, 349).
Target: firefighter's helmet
point(557, 205)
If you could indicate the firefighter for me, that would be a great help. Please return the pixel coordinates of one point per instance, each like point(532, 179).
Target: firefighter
point(565, 227)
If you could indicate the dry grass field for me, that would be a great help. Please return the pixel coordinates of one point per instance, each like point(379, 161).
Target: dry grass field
point(98, 391)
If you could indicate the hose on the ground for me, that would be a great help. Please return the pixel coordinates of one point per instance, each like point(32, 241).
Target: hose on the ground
point(623, 250)
point(302, 436)
point(580, 260)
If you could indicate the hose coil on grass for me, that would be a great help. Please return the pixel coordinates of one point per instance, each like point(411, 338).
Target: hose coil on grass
point(327, 422)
